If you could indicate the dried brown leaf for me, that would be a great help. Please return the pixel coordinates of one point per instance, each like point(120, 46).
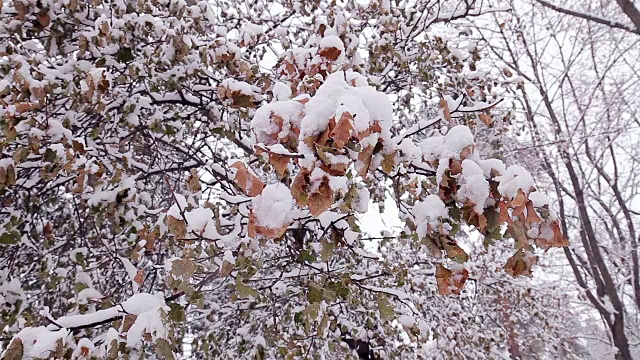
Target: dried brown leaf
point(193, 183)
point(467, 151)
point(486, 119)
point(43, 19)
point(518, 231)
point(519, 200)
point(343, 131)
point(389, 162)
point(321, 200)
point(532, 215)
point(139, 278)
point(558, 239)
point(129, 319)
point(299, 188)
point(520, 263)
point(21, 9)
point(454, 251)
point(256, 229)
point(504, 213)
point(330, 53)
point(248, 182)
point(365, 157)
point(177, 227)
point(450, 282)
point(445, 109)
point(15, 351)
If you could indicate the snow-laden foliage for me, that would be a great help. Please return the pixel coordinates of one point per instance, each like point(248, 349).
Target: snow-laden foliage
point(167, 191)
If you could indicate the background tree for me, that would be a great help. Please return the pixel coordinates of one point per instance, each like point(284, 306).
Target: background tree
point(166, 192)
point(574, 72)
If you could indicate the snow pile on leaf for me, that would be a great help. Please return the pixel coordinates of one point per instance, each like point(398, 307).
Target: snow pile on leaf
point(271, 211)
point(345, 124)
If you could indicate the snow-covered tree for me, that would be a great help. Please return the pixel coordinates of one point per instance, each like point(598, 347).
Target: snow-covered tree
point(573, 69)
point(188, 178)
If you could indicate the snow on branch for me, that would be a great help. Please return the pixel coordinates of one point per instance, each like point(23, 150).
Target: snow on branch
point(146, 309)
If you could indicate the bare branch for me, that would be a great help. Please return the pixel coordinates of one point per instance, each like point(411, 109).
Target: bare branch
point(631, 11)
point(596, 19)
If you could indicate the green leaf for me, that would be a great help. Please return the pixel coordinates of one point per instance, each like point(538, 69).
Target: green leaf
point(339, 289)
point(77, 287)
point(314, 295)
point(327, 250)
point(245, 291)
point(455, 213)
point(312, 310)
point(197, 299)
point(95, 132)
point(163, 348)
point(124, 55)
point(329, 295)
point(9, 238)
point(113, 351)
point(186, 288)
point(323, 325)
point(385, 308)
point(50, 155)
point(176, 313)
point(455, 228)
point(184, 267)
point(306, 256)
point(492, 218)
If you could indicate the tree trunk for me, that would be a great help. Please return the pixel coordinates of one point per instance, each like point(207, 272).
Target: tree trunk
point(620, 339)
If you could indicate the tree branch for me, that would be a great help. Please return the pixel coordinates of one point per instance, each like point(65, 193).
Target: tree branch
point(115, 318)
point(631, 11)
point(599, 20)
